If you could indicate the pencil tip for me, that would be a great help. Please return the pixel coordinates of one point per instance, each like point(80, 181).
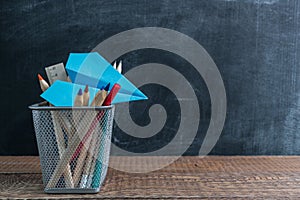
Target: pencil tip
point(119, 68)
point(79, 92)
point(107, 87)
point(86, 89)
point(40, 77)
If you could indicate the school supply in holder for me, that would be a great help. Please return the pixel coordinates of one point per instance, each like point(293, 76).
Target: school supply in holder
point(74, 132)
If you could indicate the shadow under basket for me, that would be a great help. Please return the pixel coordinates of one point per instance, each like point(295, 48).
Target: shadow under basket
point(74, 146)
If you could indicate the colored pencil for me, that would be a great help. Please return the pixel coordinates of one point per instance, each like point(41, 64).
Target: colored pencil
point(113, 92)
point(79, 98)
point(86, 96)
point(76, 141)
point(99, 98)
point(88, 162)
point(43, 84)
point(97, 101)
point(59, 136)
point(92, 158)
point(98, 165)
point(81, 160)
point(83, 127)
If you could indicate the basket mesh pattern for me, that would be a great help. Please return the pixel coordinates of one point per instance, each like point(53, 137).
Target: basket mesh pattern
point(74, 146)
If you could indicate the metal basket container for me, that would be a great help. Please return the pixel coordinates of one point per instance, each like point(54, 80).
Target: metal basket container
point(74, 146)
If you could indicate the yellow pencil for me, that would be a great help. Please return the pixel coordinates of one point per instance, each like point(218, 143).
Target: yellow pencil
point(99, 98)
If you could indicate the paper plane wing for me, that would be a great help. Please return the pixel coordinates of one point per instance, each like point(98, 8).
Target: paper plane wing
point(93, 70)
point(64, 93)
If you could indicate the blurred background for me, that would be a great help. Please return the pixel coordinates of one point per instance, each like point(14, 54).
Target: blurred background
point(254, 43)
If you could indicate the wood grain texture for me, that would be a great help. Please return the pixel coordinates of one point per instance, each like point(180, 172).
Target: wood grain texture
point(215, 177)
point(20, 164)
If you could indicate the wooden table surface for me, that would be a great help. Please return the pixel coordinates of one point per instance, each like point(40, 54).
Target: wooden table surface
point(224, 177)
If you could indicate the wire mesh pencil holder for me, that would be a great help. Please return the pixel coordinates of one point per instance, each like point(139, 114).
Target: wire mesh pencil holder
point(74, 146)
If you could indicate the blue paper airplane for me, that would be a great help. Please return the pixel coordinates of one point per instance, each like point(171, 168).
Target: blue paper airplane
point(63, 93)
point(93, 70)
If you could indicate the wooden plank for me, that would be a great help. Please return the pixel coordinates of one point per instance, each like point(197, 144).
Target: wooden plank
point(267, 177)
point(20, 164)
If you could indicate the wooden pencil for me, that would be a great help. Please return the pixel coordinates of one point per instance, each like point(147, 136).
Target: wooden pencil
point(79, 98)
point(94, 158)
point(43, 84)
point(86, 96)
point(110, 97)
point(59, 137)
point(80, 161)
point(93, 154)
point(88, 163)
point(83, 132)
point(96, 180)
point(97, 101)
point(99, 98)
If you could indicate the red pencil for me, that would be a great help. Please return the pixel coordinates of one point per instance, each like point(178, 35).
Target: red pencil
point(110, 97)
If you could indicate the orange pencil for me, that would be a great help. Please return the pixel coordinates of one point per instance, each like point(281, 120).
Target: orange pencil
point(44, 85)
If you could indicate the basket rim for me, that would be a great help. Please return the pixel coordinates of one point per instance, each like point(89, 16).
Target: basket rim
point(41, 106)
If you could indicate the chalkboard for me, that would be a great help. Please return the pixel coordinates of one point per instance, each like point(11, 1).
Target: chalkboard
point(254, 43)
